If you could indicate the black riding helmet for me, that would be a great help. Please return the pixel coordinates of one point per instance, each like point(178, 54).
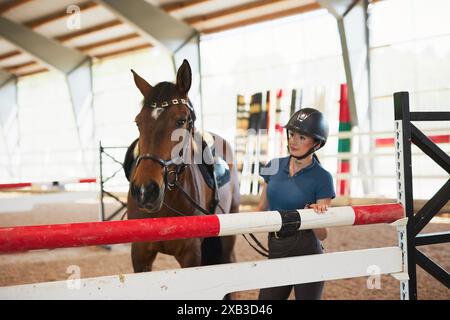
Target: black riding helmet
point(310, 122)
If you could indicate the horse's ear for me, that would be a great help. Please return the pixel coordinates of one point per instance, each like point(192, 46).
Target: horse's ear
point(184, 77)
point(141, 84)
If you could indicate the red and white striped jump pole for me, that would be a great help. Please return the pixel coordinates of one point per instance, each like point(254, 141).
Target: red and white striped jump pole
point(19, 185)
point(15, 239)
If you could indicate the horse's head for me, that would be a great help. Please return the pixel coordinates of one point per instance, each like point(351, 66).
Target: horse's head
point(164, 123)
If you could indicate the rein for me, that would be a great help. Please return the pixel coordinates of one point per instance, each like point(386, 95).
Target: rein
point(165, 164)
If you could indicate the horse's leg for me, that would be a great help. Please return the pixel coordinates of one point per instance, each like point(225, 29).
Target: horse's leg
point(190, 257)
point(142, 257)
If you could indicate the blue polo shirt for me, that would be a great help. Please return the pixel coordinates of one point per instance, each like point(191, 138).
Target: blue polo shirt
point(305, 187)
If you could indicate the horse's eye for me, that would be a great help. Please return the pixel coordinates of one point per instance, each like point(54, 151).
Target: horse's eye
point(180, 123)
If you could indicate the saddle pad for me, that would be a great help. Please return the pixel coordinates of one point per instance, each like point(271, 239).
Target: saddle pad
point(130, 158)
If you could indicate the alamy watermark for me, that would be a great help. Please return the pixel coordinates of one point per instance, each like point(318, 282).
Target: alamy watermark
point(374, 280)
point(189, 150)
point(74, 280)
point(74, 19)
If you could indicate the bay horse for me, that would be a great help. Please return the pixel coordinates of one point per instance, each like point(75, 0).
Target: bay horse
point(162, 184)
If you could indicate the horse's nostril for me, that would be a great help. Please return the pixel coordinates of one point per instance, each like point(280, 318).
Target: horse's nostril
point(152, 191)
point(145, 195)
point(135, 191)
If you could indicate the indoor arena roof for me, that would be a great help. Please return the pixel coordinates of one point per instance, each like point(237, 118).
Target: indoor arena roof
point(103, 34)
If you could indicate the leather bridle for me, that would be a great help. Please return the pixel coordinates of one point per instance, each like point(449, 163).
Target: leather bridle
point(178, 162)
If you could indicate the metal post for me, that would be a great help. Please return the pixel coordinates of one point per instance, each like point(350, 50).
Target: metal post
point(408, 289)
point(102, 204)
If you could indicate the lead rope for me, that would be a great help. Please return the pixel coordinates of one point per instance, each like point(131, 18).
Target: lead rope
point(173, 209)
point(264, 252)
point(192, 201)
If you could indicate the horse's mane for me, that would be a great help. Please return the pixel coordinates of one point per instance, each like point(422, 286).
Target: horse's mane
point(163, 91)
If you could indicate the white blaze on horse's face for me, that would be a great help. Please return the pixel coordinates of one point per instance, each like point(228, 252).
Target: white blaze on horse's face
point(157, 112)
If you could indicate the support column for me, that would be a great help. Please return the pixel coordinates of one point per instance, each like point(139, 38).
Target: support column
point(80, 84)
point(408, 288)
point(74, 65)
point(351, 17)
point(9, 122)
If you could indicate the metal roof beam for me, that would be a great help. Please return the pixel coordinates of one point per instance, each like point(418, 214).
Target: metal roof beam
point(338, 8)
point(152, 22)
point(46, 50)
point(74, 65)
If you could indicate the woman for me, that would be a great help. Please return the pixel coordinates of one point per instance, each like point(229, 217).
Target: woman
point(293, 182)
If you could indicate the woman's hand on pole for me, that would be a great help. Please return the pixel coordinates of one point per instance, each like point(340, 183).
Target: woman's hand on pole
point(319, 208)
